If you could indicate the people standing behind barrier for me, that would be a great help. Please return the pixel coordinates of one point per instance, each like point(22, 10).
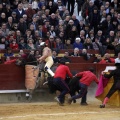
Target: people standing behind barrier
point(116, 84)
point(9, 61)
point(59, 80)
point(117, 60)
point(85, 54)
point(107, 59)
point(22, 54)
point(66, 58)
point(76, 52)
point(87, 77)
point(54, 56)
point(31, 59)
point(98, 59)
point(9, 53)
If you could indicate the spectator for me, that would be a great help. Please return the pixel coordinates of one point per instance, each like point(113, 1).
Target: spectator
point(69, 28)
point(82, 36)
point(9, 23)
point(8, 53)
point(94, 19)
point(116, 5)
point(75, 52)
point(85, 54)
point(116, 46)
point(15, 27)
point(22, 26)
point(98, 59)
point(30, 44)
point(50, 42)
point(66, 58)
point(4, 29)
point(3, 43)
point(54, 56)
point(22, 44)
point(59, 44)
point(68, 44)
point(97, 45)
point(53, 20)
point(14, 45)
point(52, 7)
point(80, 26)
point(88, 44)
point(107, 59)
point(117, 60)
point(73, 33)
point(19, 11)
point(37, 53)
point(71, 3)
point(35, 5)
point(14, 16)
point(22, 54)
point(52, 31)
point(78, 44)
point(3, 18)
point(9, 61)
point(30, 12)
point(38, 42)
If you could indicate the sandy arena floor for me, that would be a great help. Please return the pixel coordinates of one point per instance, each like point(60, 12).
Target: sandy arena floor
point(52, 111)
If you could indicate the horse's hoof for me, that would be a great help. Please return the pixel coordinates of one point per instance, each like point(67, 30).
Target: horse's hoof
point(29, 98)
point(74, 101)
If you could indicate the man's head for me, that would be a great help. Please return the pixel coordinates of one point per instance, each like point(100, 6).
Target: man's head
point(62, 62)
point(91, 69)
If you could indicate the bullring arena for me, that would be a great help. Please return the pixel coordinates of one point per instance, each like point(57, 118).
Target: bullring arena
point(52, 111)
point(13, 106)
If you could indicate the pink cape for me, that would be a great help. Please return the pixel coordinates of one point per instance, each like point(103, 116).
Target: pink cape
point(103, 88)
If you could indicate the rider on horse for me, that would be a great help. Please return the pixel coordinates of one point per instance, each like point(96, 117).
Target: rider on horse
point(47, 57)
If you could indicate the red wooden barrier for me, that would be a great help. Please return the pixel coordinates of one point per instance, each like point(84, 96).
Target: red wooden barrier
point(12, 77)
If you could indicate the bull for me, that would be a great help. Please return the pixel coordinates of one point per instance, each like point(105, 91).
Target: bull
point(73, 85)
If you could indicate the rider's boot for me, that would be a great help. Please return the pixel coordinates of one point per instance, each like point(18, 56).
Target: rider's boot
point(49, 71)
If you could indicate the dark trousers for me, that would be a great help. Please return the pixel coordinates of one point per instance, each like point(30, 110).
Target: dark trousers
point(71, 3)
point(113, 89)
point(84, 98)
point(82, 92)
point(61, 84)
point(64, 2)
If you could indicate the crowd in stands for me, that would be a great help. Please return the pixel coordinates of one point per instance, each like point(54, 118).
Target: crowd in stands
point(25, 24)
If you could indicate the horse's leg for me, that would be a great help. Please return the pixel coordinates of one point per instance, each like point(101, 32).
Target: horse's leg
point(42, 78)
point(37, 82)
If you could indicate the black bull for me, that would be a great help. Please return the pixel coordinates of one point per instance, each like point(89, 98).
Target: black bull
point(72, 83)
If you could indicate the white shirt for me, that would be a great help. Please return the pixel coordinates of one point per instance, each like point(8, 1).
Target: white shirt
point(117, 60)
point(34, 5)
